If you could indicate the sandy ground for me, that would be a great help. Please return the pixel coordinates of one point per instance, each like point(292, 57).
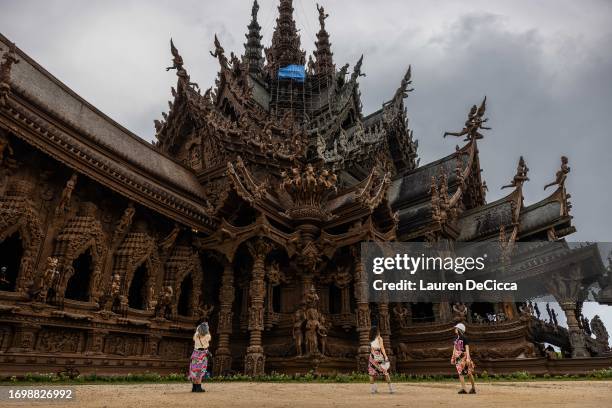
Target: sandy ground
point(581, 394)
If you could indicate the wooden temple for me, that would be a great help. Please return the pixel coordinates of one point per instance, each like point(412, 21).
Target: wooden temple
point(248, 212)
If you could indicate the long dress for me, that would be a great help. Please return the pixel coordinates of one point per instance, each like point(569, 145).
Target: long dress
point(376, 360)
point(199, 358)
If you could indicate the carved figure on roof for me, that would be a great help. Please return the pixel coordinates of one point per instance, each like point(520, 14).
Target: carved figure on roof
point(341, 76)
point(311, 65)
point(474, 123)
point(8, 59)
point(177, 60)
point(357, 70)
point(561, 175)
point(521, 175)
point(322, 16)
point(219, 53)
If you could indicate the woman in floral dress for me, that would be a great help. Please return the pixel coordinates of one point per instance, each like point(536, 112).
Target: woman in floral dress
point(378, 363)
point(199, 357)
point(462, 360)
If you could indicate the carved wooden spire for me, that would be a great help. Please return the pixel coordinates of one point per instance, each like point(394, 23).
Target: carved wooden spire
point(521, 175)
point(253, 56)
point(285, 49)
point(324, 63)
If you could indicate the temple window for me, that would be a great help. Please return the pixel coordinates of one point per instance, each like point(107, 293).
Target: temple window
point(423, 313)
point(482, 312)
point(78, 284)
point(276, 299)
point(138, 287)
point(12, 251)
point(184, 302)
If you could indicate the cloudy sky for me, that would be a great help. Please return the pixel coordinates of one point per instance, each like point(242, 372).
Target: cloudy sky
point(545, 67)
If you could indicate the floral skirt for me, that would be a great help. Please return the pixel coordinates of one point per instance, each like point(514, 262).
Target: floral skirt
point(198, 365)
point(463, 366)
point(375, 363)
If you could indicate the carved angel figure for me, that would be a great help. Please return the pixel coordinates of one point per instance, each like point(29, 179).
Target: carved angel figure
point(219, 53)
point(177, 60)
point(561, 175)
point(521, 175)
point(474, 123)
point(66, 194)
point(205, 311)
point(322, 16)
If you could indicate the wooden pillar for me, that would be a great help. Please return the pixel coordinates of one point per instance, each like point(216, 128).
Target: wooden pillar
point(363, 312)
point(255, 359)
point(576, 334)
point(566, 287)
point(223, 356)
point(384, 325)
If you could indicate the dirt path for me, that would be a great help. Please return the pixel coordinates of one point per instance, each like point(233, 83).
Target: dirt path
point(583, 394)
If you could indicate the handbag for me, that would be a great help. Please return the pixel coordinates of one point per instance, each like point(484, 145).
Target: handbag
point(386, 365)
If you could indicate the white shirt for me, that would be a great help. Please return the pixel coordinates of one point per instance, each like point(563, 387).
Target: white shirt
point(201, 341)
point(375, 344)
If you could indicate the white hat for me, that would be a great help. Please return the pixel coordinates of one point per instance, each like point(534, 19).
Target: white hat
point(460, 326)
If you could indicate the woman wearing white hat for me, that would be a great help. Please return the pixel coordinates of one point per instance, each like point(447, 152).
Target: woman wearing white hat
point(461, 358)
point(378, 362)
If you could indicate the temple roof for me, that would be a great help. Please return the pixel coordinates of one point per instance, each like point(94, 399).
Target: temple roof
point(93, 137)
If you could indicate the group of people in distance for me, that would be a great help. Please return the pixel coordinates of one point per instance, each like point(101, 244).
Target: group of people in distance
point(378, 362)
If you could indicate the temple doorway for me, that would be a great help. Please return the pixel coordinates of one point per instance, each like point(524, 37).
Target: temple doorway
point(184, 302)
point(423, 313)
point(11, 251)
point(78, 284)
point(138, 287)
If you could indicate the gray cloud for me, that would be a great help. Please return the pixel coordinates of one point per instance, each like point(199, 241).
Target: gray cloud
point(544, 66)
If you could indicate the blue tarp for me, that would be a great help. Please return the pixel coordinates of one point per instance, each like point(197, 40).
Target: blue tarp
point(296, 72)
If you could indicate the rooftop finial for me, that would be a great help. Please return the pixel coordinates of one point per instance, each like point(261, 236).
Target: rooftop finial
point(561, 174)
point(177, 63)
point(322, 16)
point(285, 49)
point(255, 10)
point(521, 175)
point(252, 49)
point(177, 60)
point(474, 123)
point(323, 56)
